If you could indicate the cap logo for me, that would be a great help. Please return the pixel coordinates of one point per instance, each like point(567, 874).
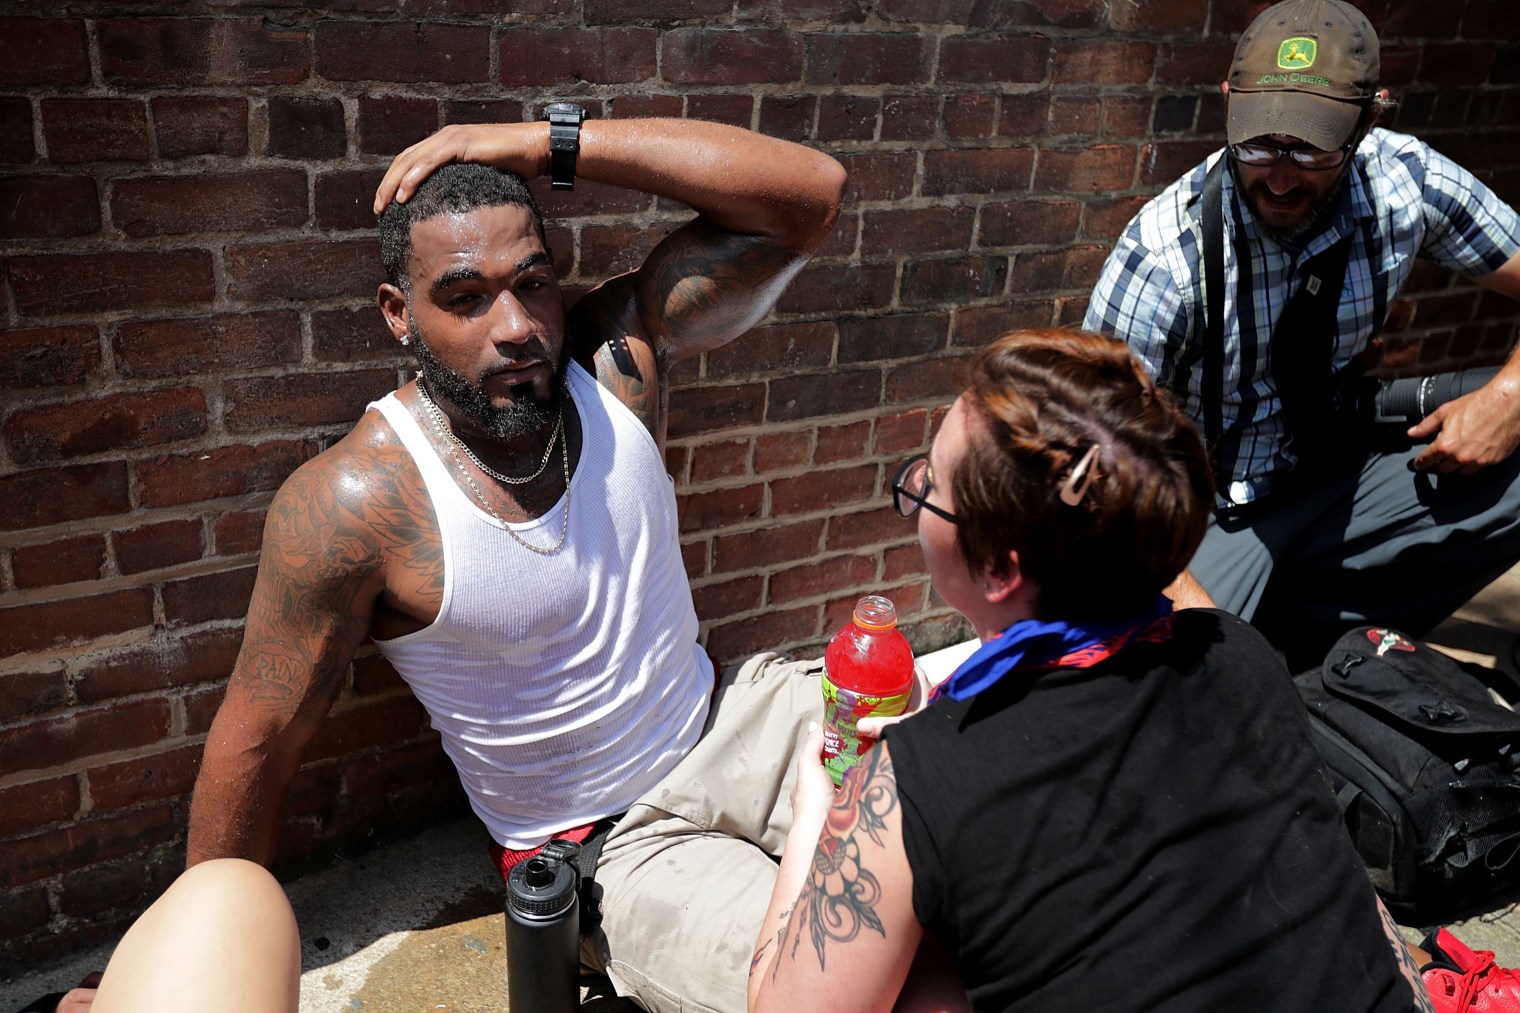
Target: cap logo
point(1297, 53)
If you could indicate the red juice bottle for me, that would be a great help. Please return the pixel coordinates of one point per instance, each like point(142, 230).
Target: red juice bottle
point(867, 671)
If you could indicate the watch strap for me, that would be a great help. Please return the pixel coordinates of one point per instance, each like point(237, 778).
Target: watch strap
point(564, 143)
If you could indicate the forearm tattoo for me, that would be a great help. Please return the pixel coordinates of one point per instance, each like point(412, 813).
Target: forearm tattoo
point(1407, 966)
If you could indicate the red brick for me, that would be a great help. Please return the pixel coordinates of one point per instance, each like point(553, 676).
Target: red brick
point(789, 117)
point(46, 854)
point(707, 409)
point(916, 381)
point(201, 707)
point(1042, 271)
point(85, 894)
point(729, 642)
point(900, 336)
point(733, 109)
point(1161, 162)
point(725, 459)
point(74, 737)
point(1075, 115)
point(210, 202)
point(608, 250)
point(903, 562)
point(186, 659)
point(974, 326)
point(868, 58)
point(1094, 169)
point(694, 559)
point(196, 346)
point(953, 279)
point(352, 336)
point(306, 128)
point(817, 395)
point(1025, 115)
point(1058, 13)
point(1126, 116)
point(45, 51)
point(1030, 222)
point(381, 774)
point(196, 600)
point(373, 675)
point(344, 199)
point(614, 11)
point(48, 207)
point(822, 490)
point(227, 51)
point(34, 499)
point(221, 472)
point(531, 55)
point(95, 282)
point(765, 548)
point(632, 106)
point(728, 56)
point(411, 51)
point(779, 348)
point(95, 129)
point(848, 117)
point(432, 8)
point(834, 288)
point(366, 726)
point(304, 270)
point(23, 911)
point(970, 117)
point(1104, 61)
point(842, 443)
point(48, 356)
point(107, 423)
point(909, 117)
point(1457, 63)
point(16, 145)
point(987, 171)
point(899, 433)
point(44, 625)
point(781, 451)
point(155, 546)
point(878, 175)
point(1106, 219)
point(820, 577)
point(982, 59)
point(30, 806)
point(1491, 19)
point(199, 125)
point(145, 778)
point(302, 399)
point(32, 692)
point(81, 557)
point(491, 111)
point(1160, 16)
point(724, 598)
point(954, 12)
point(238, 532)
point(1197, 63)
point(390, 123)
point(706, 511)
point(878, 525)
point(917, 231)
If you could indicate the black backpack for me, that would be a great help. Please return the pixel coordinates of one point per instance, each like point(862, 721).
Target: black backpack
point(1426, 768)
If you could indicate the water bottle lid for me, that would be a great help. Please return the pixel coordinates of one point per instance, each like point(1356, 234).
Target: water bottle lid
point(540, 888)
point(875, 612)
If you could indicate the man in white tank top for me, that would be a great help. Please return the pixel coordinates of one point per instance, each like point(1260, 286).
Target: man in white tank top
point(504, 530)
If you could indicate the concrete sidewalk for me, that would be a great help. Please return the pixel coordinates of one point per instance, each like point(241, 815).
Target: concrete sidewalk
point(416, 926)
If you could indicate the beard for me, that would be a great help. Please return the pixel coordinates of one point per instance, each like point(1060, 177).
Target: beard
point(1312, 219)
point(526, 414)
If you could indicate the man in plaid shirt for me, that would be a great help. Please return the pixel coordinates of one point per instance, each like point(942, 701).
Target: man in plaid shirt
point(1316, 529)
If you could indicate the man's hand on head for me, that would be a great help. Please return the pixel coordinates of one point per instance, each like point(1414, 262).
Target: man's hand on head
point(522, 148)
point(1473, 431)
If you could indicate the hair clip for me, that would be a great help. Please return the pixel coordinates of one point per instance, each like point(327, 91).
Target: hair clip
point(1081, 477)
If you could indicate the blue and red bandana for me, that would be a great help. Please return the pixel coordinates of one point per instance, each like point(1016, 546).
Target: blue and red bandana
point(1032, 645)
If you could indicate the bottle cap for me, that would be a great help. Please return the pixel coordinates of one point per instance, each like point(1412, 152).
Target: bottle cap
point(875, 612)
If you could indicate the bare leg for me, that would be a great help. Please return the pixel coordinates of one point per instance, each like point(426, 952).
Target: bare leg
point(222, 938)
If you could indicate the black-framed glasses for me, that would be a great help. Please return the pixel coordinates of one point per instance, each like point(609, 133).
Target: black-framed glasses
point(910, 490)
point(1264, 156)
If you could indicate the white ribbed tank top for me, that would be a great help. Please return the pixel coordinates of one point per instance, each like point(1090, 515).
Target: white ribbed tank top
point(564, 686)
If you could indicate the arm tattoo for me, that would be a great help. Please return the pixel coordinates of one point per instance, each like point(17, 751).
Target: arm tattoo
point(1407, 966)
point(840, 896)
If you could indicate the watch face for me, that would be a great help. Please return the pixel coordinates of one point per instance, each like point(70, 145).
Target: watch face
point(564, 112)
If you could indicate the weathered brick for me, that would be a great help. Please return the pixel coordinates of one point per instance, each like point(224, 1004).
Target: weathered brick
point(488, 111)
point(435, 8)
point(210, 202)
point(154, 546)
point(48, 356)
point(974, 326)
point(833, 288)
point(953, 279)
point(970, 117)
point(779, 348)
point(1030, 222)
point(900, 336)
point(1491, 19)
point(48, 207)
point(1161, 162)
point(789, 117)
point(637, 105)
point(184, 659)
point(1044, 270)
point(1126, 116)
point(987, 171)
point(16, 144)
point(390, 123)
point(694, 559)
point(221, 472)
point(733, 109)
point(187, 125)
point(842, 443)
point(74, 737)
point(1196, 63)
point(848, 117)
point(731, 641)
point(928, 378)
point(729, 56)
point(900, 432)
point(94, 282)
point(868, 58)
point(1104, 61)
point(1105, 220)
point(726, 597)
point(1056, 13)
point(615, 11)
point(909, 117)
point(194, 346)
point(45, 51)
point(877, 525)
point(878, 175)
point(23, 912)
point(36, 804)
point(713, 461)
point(822, 394)
point(221, 595)
point(1075, 115)
point(954, 12)
point(1026, 115)
point(43, 625)
point(916, 231)
point(820, 577)
point(304, 270)
point(608, 250)
point(413, 51)
point(982, 59)
point(28, 859)
point(201, 707)
point(781, 451)
point(302, 399)
point(110, 422)
point(306, 128)
point(95, 129)
point(238, 532)
point(710, 511)
point(1457, 63)
point(707, 409)
point(145, 778)
point(1099, 167)
point(352, 336)
point(227, 51)
point(774, 544)
point(76, 558)
point(345, 199)
point(383, 773)
point(35, 691)
point(366, 726)
point(85, 894)
point(34, 499)
point(530, 55)
point(1159, 16)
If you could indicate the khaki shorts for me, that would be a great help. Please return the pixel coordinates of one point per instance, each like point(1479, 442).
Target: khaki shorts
point(687, 874)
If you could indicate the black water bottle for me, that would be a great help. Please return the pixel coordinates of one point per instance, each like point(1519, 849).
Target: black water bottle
point(543, 932)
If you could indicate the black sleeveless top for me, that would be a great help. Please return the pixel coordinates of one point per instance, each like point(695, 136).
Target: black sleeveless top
point(1150, 833)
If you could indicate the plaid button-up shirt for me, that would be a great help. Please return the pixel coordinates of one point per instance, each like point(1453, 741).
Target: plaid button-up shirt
point(1400, 199)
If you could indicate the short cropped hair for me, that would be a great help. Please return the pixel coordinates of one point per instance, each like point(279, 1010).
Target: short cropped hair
point(1037, 401)
point(451, 189)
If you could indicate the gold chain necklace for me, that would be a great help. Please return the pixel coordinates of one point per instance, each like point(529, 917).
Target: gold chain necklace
point(441, 422)
point(464, 471)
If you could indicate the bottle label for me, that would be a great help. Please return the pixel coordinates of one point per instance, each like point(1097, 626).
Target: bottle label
point(842, 709)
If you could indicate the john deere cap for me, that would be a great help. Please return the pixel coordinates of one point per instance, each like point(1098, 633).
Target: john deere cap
point(1305, 68)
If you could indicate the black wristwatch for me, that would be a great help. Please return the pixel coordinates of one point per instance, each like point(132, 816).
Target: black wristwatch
point(564, 142)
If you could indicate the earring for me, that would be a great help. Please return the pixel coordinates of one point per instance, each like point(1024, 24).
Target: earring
point(405, 340)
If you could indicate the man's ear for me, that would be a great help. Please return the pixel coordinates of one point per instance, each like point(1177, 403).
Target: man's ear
point(393, 306)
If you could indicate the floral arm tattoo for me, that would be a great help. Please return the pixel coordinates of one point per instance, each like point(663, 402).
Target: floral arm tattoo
point(840, 895)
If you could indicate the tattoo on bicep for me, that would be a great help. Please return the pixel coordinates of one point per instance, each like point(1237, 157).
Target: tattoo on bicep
point(1407, 966)
point(840, 895)
point(710, 282)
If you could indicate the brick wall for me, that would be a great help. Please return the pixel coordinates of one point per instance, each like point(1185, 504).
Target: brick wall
point(189, 268)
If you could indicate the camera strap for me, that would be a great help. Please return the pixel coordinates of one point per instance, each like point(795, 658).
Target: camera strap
point(1211, 383)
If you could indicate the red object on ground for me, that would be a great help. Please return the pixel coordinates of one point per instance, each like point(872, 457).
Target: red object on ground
point(1460, 980)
